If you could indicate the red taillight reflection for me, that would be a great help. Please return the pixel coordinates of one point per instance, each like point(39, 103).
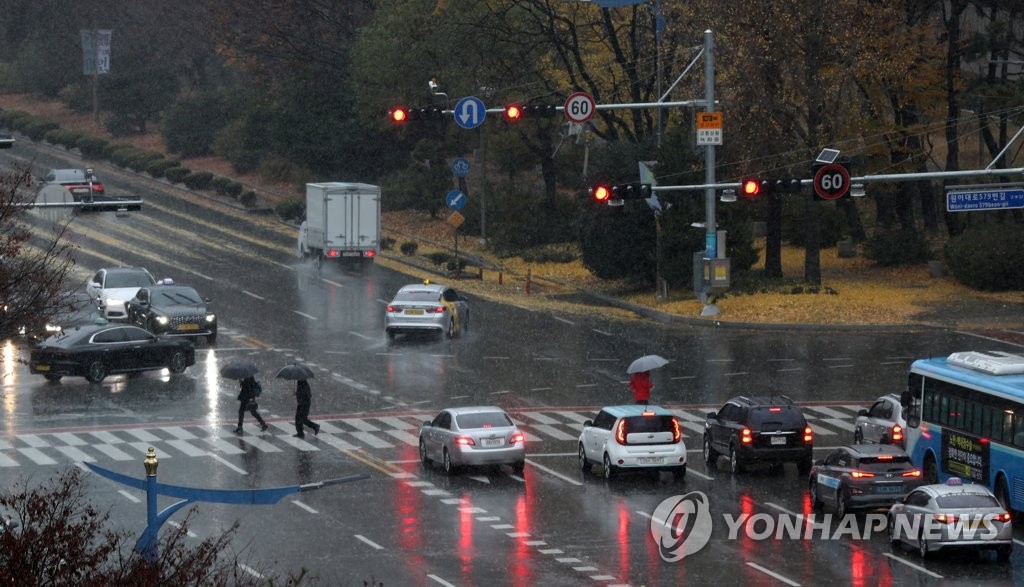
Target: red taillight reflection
point(392, 309)
point(464, 440)
point(746, 436)
point(333, 253)
point(438, 310)
point(369, 253)
point(1003, 517)
point(517, 437)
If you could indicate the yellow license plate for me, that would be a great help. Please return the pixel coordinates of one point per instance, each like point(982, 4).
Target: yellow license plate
point(42, 367)
point(414, 312)
point(189, 327)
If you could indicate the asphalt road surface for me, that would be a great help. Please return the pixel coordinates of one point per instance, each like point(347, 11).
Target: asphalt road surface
point(409, 524)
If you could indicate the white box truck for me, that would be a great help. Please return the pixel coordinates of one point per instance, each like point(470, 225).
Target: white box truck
point(342, 222)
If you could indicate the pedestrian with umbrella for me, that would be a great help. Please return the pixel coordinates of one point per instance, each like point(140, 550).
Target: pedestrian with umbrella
point(303, 397)
point(639, 372)
point(249, 389)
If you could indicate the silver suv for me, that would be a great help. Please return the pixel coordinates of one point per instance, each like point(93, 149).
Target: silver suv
point(633, 437)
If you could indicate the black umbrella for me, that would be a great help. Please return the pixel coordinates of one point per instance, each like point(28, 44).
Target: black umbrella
point(295, 372)
point(239, 369)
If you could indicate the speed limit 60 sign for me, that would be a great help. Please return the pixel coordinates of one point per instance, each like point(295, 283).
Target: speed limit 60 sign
point(580, 107)
point(831, 181)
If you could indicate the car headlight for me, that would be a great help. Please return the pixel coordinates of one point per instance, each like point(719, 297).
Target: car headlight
point(211, 317)
point(162, 320)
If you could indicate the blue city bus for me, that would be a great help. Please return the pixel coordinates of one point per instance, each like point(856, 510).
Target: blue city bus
point(965, 418)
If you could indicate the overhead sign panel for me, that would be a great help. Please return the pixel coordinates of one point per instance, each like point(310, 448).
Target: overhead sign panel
point(976, 200)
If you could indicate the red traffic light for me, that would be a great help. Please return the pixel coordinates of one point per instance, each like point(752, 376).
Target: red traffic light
point(398, 114)
point(601, 193)
point(513, 112)
point(750, 187)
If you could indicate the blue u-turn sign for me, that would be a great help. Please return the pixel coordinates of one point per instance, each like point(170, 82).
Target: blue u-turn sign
point(470, 112)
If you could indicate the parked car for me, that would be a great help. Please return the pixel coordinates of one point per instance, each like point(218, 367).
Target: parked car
point(883, 423)
point(94, 351)
point(756, 430)
point(633, 437)
point(472, 436)
point(950, 515)
point(862, 477)
point(111, 287)
point(82, 183)
point(427, 307)
point(176, 310)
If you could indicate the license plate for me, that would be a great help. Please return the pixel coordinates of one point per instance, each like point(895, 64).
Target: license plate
point(890, 488)
point(42, 367)
point(189, 327)
point(414, 312)
point(979, 523)
point(494, 441)
point(351, 254)
point(79, 190)
point(651, 460)
point(778, 440)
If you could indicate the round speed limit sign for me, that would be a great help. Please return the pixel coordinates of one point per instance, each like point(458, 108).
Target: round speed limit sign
point(832, 181)
point(580, 107)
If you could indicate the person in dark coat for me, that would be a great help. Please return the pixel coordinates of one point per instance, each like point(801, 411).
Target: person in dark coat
point(304, 399)
point(247, 402)
point(641, 384)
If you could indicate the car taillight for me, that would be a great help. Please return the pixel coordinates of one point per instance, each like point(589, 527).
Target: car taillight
point(746, 436)
point(464, 440)
point(1003, 517)
point(438, 310)
point(861, 474)
point(369, 253)
point(897, 433)
point(620, 432)
point(517, 437)
point(808, 434)
point(392, 309)
point(946, 518)
point(676, 432)
point(97, 187)
point(914, 473)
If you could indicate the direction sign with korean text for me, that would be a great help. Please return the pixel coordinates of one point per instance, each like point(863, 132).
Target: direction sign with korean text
point(975, 200)
point(470, 112)
point(709, 128)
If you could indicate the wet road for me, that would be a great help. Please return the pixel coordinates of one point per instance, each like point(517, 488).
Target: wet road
point(413, 525)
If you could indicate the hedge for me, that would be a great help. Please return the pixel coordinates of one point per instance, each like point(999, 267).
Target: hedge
point(176, 174)
point(198, 180)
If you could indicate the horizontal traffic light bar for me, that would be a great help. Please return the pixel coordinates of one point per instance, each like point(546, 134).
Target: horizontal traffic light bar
point(404, 113)
point(608, 193)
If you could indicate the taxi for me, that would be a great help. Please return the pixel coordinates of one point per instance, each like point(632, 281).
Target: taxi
point(863, 476)
point(427, 307)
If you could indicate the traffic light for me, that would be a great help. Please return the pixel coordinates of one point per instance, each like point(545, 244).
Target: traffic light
point(398, 114)
point(751, 187)
point(601, 193)
point(513, 112)
point(540, 110)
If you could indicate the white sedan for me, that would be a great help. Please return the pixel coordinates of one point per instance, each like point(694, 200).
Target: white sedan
point(111, 287)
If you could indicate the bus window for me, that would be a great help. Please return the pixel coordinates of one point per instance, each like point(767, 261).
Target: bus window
point(1018, 434)
point(1007, 426)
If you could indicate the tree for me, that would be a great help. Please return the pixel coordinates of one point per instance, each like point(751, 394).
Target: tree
point(34, 260)
point(60, 539)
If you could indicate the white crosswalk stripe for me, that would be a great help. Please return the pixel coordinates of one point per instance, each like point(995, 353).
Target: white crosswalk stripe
point(370, 433)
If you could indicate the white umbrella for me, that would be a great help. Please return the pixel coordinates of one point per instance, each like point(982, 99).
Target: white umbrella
point(646, 363)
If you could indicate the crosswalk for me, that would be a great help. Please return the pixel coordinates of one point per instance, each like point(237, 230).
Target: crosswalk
point(833, 424)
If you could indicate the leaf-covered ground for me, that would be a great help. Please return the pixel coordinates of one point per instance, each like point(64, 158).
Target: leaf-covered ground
point(853, 291)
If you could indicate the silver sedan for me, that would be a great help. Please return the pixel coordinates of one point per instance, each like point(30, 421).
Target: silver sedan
point(427, 307)
point(952, 514)
point(472, 436)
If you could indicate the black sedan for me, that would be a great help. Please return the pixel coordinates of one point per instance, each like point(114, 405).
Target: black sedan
point(94, 351)
point(176, 310)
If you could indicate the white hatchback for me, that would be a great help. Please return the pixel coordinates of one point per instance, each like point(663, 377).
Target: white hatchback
point(633, 437)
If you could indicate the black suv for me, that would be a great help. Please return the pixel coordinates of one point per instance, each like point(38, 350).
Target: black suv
point(751, 430)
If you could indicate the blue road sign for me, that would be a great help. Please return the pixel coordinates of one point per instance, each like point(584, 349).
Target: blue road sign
point(995, 199)
point(455, 199)
point(470, 112)
point(460, 167)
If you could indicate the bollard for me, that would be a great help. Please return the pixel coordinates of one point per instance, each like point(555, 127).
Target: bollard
point(529, 275)
point(501, 276)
